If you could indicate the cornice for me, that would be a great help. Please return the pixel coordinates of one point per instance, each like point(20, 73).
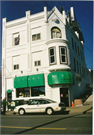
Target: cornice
point(36, 18)
point(15, 23)
point(57, 40)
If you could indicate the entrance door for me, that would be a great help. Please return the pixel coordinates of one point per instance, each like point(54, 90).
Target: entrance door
point(9, 96)
point(64, 96)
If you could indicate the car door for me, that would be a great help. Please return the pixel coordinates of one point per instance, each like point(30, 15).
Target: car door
point(33, 106)
point(43, 105)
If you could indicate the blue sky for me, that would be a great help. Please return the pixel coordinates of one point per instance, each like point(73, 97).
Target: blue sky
point(83, 10)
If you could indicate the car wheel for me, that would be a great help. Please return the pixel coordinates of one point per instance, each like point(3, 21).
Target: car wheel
point(49, 111)
point(21, 111)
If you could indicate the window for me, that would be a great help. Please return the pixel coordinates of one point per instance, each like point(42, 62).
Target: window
point(72, 43)
point(63, 56)
point(25, 92)
point(77, 67)
point(36, 37)
point(36, 91)
point(75, 48)
point(55, 33)
point(78, 51)
point(80, 69)
point(52, 55)
point(37, 63)
point(74, 64)
point(16, 67)
point(16, 39)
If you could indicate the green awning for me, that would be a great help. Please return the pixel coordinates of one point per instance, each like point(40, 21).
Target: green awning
point(60, 77)
point(9, 91)
point(36, 80)
point(20, 82)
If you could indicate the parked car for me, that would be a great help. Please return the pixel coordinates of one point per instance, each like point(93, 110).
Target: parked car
point(39, 106)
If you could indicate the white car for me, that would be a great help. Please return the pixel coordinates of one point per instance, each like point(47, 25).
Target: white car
point(40, 105)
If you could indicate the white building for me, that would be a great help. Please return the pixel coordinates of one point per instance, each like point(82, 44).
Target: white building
point(43, 55)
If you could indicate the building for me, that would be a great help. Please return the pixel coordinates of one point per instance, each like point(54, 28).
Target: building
point(43, 56)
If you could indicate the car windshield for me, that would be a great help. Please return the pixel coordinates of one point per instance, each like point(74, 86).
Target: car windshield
point(51, 101)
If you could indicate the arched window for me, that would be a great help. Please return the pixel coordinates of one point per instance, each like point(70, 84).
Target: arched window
point(55, 33)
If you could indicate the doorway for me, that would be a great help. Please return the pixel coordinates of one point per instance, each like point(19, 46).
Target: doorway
point(64, 96)
point(9, 96)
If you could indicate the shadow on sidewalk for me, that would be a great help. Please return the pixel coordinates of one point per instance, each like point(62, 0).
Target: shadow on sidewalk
point(87, 110)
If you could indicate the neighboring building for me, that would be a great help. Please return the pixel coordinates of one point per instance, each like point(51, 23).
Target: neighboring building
point(43, 56)
point(0, 84)
point(89, 85)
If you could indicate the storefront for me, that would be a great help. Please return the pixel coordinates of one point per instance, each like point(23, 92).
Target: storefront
point(30, 86)
point(34, 85)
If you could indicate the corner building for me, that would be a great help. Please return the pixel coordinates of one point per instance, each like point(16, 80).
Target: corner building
point(43, 56)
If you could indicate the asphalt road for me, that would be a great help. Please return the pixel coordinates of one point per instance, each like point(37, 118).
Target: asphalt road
point(45, 124)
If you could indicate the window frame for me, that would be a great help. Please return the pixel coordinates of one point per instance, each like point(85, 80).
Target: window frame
point(36, 35)
point(16, 36)
point(65, 54)
point(37, 90)
point(74, 60)
point(36, 65)
point(59, 31)
point(54, 55)
point(72, 40)
point(16, 65)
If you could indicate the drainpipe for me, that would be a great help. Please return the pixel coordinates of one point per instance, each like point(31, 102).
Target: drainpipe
point(45, 14)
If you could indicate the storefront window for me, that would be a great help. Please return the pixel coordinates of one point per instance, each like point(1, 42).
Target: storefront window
point(25, 92)
point(37, 91)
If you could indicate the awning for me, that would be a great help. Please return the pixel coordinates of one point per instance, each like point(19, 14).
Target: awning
point(20, 82)
point(60, 77)
point(9, 91)
point(36, 80)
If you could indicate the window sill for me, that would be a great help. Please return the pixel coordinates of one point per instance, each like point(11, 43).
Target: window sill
point(59, 67)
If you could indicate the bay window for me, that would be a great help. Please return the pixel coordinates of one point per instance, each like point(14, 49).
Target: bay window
point(52, 57)
point(63, 55)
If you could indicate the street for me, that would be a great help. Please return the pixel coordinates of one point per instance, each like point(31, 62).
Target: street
point(45, 124)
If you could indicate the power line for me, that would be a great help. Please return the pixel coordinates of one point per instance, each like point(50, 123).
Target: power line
point(88, 48)
point(66, 26)
point(89, 63)
point(47, 4)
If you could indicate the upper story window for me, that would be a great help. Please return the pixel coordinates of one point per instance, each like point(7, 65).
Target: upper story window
point(55, 33)
point(75, 47)
point(38, 63)
point(74, 64)
point(16, 62)
point(72, 43)
point(52, 55)
point(36, 37)
point(16, 39)
point(16, 67)
point(63, 55)
point(78, 51)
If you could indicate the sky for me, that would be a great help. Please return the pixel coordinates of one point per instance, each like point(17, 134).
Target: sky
point(83, 10)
